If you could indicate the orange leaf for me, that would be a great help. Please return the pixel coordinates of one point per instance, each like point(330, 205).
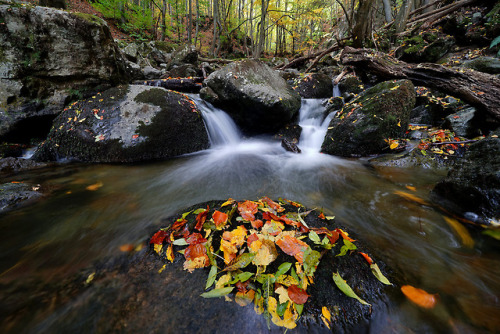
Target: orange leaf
point(297, 295)
point(158, 237)
point(95, 186)
point(247, 210)
point(367, 258)
point(194, 251)
point(344, 235)
point(195, 238)
point(273, 205)
point(293, 247)
point(257, 223)
point(321, 216)
point(220, 218)
point(419, 296)
point(127, 248)
point(201, 218)
point(410, 197)
point(251, 239)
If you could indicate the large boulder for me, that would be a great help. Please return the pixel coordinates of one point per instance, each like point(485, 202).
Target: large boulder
point(473, 186)
point(362, 126)
point(255, 96)
point(126, 124)
point(184, 54)
point(484, 64)
point(47, 57)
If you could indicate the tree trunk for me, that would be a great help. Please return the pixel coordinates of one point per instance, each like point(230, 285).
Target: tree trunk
point(402, 17)
point(197, 31)
point(362, 30)
point(190, 21)
point(476, 88)
point(387, 10)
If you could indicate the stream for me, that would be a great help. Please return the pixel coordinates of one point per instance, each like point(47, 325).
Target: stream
point(73, 227)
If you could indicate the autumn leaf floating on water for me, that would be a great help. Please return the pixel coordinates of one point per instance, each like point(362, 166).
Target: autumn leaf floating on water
point(418, 296)
point(261, 252)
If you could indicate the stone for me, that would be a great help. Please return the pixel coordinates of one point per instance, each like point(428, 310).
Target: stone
point(184, 54)
point(126, 124)
point(254, 95)
point(363, 125)
point(131, 51)
point(484, 64)
point(14, 195)
point(49, 55)
point(473, 186)
point(314, 86)
point(462, 123)
point(150, 72)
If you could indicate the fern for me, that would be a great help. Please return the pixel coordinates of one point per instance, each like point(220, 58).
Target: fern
point(494, 43)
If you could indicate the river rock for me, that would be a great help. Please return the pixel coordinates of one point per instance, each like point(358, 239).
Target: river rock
point(13, 195)
point(14, 165)
point(256, 97)
point(185, 54)
point(126, 124)
point(484, 64)
point(426, 48)
point(362, 126)
point(48, 56)
point(462, 123)
point(473, 186)
point(314, 86)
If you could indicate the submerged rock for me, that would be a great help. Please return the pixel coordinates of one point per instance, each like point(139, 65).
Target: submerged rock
point(255, 96)
point(473, 185)
point(363, 125)
point(126, 124)
point(47, 57)
point(13, 195)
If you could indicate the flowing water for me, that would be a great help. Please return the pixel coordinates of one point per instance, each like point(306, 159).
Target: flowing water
point(73, 226)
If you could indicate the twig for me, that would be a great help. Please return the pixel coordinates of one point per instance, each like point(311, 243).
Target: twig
point(453, 142)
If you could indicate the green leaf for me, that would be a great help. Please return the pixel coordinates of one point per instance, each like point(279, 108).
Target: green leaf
point(378, 274)
point(293, 273)
point(495, 42)
point(265, 277)
point(281, 308)
point(282, 269)
point(197, 211)
point(347, 247)
point(242, 277)
point(330, 217)
point(346, 289)
point(180, 242)
point(217, 292)
point(492, 233)
point(299, 308)
point(184, 215)
point(314, 237)
point(241, 261)
point(311, 261)
point(212, 275)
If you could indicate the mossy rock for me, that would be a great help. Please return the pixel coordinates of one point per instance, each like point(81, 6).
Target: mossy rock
point(126, 124)
point(363, 126)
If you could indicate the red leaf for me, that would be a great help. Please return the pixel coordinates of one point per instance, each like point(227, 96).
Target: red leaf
point(345, 236)
point(297, 295)
point(178, 225)
point(247, 210)
point(194, 251)
point(195, 238)
point(367, 258)
point(220, 218)
point(273, 205)
point(201, 218)
point(293, 247)
point(321, 216)
point(251, 239)
point(242, 287)
point(333, 236)
point(257, 223)
point(158, 237)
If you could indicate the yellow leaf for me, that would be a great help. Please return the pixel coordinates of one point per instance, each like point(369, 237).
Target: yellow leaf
point(289, 317)
point(258, 305)
point(265, 251)
point(410, 197)
point(461, 231)
point(95, 186)
point(197, 262)
point(411, 188)
point(162, 268)
point(393, 145)
point(223, 280)
point(158, 248)
point(399, 123)
point(283, 294)
point(326, 313)
point(244, 298)
point(287, 280)
point(229, 201)
point(170, 253)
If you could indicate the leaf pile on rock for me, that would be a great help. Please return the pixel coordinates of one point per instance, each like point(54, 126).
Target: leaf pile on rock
point(263, 251)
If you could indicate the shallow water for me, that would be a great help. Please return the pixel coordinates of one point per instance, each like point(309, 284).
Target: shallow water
point(74, 226)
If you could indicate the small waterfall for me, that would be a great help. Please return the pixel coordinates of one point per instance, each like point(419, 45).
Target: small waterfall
point(336, 90)
point(221, 128)
point(314, 125)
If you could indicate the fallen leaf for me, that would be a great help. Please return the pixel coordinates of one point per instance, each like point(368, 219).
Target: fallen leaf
point(158, 237)
point(201, 218)
point(95, 186)
point(215, 293)
point(273, 205)
point(264, 250)
point(212, 275)
point(418, 296)
point(367, 258)
point(244, 298)
point(283, 294)
point(220, 218)
point(410, 197)
point(127, 248)
point(326, 313)
point(293, 247)
point(297, 295)
point(378, 274)
point(247, 209)
point(240, 262)
point(461, 231)
point(346, 289)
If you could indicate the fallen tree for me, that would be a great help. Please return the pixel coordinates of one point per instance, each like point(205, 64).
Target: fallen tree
point(187, 85)
point(476, 88)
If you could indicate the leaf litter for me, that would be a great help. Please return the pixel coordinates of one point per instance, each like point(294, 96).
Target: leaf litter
point(262, 252)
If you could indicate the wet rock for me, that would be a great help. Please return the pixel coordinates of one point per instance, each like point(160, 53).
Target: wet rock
point(474, 184)
point(11, 150)
point(185, 54)
point(184, 71)
point(131, 51)
point(46, 57)
point(151, 73)
point(14, 195)
point(126, 124)
point(256, 97)
point(314, 86)
point(363, 125)
point(462, 123)
point(350, 84)
point(484, 64)
point(290, 132)
point(290, 146)
point(12, 165)
point(414, 158)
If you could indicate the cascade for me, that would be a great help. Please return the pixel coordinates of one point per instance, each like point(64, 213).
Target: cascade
point(314, 125)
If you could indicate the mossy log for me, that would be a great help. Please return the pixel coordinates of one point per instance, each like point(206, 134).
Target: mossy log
point(186, 85)
point(476, 88)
